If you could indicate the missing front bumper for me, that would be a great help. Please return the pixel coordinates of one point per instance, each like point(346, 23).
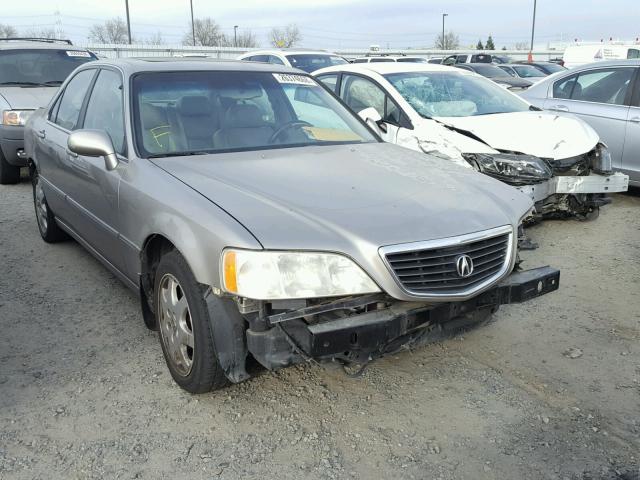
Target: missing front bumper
point(331, 330)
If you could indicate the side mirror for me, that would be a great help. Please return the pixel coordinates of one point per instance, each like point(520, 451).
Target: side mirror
point(372, 118)
point(94, 143)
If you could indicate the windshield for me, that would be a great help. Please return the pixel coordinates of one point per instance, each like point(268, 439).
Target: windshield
point(527, 71)
point(490, 71)
point(40, 67)
point(182, 113)
point(446, 94)
point(310, 62)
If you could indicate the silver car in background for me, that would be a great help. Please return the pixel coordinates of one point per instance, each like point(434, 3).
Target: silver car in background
point(258, 217)
point(606, 95)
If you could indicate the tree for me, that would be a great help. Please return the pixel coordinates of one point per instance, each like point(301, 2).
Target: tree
point(111, 31)
point(449, 42)
point(7, 31)
point(489, 45)
point(522, 46)
point(504, 48)
point(479, 46)
point(207, 34)
point(155, 39)
point(50, 33)
point(286, 37)
point(247, 39)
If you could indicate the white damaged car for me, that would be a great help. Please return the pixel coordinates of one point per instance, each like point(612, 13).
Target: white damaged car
point(558, 161)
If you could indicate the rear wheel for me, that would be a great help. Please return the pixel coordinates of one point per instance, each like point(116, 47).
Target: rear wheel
point(9, 174)
point(184, 331)
point(49, 229)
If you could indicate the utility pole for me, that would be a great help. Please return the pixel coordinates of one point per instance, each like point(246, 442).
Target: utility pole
point(235, 36)
point(533, 29)
point(193, 26)
point(443, 44)
point(126, 4)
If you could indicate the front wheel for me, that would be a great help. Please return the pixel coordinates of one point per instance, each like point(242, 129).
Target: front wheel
point(184, 331)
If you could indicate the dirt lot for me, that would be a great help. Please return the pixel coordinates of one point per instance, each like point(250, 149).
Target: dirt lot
point(84, 392)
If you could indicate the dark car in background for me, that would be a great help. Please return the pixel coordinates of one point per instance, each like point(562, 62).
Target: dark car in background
point(545, 67)
point(498, 75)
point(528, 72)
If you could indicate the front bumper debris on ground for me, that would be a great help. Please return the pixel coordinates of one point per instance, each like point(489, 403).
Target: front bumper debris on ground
point(358, 329)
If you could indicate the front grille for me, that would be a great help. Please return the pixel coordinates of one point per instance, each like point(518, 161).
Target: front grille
point(431, 271)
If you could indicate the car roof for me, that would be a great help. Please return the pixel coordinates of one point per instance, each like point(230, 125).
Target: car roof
point(186, 64)
point(384, 68)
point(37, 45)
point(610, 63)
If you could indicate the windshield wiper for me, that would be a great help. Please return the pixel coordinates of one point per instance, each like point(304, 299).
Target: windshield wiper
point(177, 154)
point(533, 108)
point(49, 83)
point(30, 84)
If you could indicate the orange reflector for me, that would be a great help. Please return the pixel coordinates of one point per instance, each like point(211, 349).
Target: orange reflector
point(230, 280)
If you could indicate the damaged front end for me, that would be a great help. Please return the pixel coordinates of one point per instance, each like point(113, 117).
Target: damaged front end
point(571, 187)
point(354, 330)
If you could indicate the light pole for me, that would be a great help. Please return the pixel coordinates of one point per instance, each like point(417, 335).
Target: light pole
point(193, 26)
point(533, 29)
point(443, 43)
point(126, 4)
point(235, 36)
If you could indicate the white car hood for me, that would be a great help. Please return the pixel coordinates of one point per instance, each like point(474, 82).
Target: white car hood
point(543, 134)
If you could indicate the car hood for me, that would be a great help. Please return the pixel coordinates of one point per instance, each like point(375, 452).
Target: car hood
point(543, 134)
point(335, 197)
point(27, 98)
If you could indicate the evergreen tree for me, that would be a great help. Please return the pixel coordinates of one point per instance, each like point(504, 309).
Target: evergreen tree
point(489, 45)
point(479, 46)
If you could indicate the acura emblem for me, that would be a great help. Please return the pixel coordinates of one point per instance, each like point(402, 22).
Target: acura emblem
point(464, 265)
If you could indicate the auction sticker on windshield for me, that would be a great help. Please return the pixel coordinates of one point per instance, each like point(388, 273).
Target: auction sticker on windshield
point(76, 53)
point(295, 79)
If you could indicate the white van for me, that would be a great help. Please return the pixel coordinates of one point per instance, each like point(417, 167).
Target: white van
point(576, 55)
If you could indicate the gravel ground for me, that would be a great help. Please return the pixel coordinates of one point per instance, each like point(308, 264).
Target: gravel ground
point(550, 390)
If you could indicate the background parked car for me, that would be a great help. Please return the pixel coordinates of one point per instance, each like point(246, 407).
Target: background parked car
point(606, 95)
point(307, 60)
point(528, 72)
point(258, 217)
point(546, 67)
point(498, 75)
point(31, 70)
point(389, 58)
point(467, 58)
point(469, 120)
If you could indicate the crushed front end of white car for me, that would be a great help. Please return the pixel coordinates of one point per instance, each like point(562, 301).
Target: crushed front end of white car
point(559, 162)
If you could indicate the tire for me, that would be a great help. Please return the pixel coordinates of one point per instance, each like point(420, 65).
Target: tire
point(184, 327)
point(49, 229)
point(9, 174)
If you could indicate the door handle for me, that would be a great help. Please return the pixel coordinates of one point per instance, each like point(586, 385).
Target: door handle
point(635, 119)
point(41, 133)
point(560, 108)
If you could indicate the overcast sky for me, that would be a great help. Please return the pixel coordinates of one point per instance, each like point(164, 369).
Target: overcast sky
point(346, 23)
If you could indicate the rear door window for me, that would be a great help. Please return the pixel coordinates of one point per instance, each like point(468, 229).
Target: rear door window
point(600, 86)
point(72, 99)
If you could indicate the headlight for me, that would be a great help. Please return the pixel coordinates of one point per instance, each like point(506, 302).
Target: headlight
point(272, 275)
point(600, 159)
point(15, 117)
point(510, 168)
